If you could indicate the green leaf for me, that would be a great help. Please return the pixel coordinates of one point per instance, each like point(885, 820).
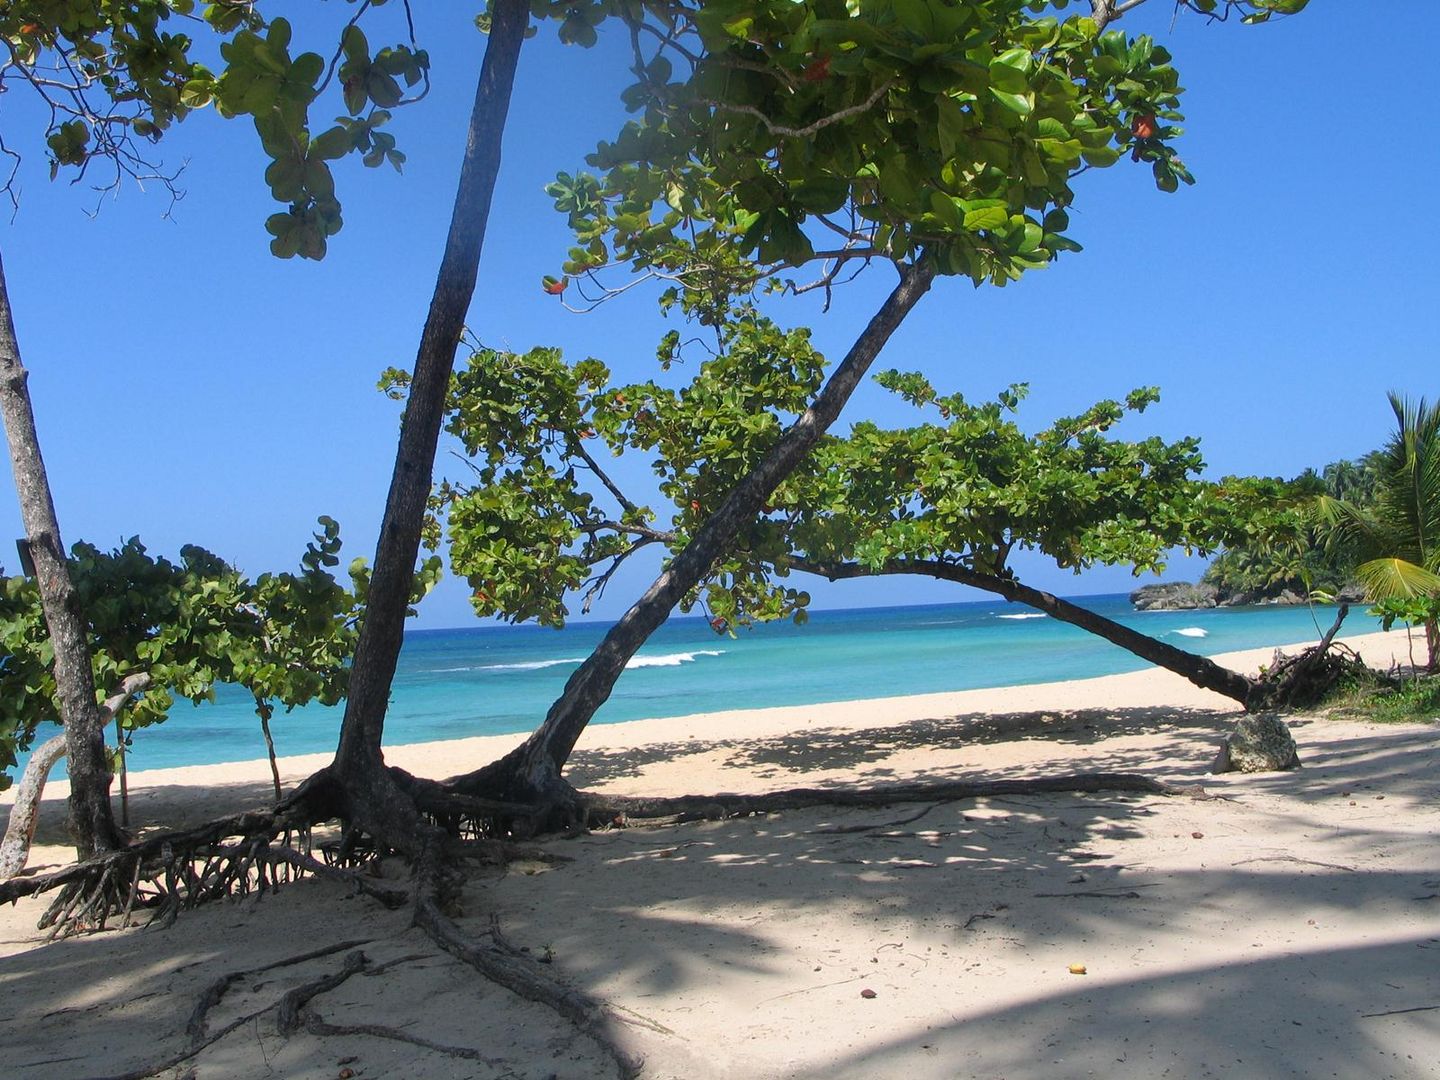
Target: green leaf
point(992, 217)
point(1022, 104)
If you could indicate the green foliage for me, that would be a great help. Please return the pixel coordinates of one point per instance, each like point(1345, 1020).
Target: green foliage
point(530, 522)
point(1375, 521)
point(974, 488)
point(1397, 536)
point(922, 130)
point(1409, 702)
point(969, 487)
point(1297, 552)
point(887, 129)
point(286, 638)
point(117, 74)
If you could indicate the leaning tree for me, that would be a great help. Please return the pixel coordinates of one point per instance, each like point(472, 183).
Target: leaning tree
point(939, 140)
point(539, 516)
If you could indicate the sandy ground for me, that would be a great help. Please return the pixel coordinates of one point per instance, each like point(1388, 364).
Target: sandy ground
point(1288, 929)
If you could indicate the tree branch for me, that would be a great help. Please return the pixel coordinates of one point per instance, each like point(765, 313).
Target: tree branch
point(809, 129)
point(610, 485)
point(1200, 670)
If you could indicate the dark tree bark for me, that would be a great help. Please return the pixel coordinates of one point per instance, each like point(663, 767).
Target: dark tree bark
point(92, 825)
point(532, 771)
point(359, 764)
point(1200, 670)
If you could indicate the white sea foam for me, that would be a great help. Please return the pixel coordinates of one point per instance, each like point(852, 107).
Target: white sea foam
point(672, 659)
point(1191, 631)
point(531, 665)
point(1035, 615)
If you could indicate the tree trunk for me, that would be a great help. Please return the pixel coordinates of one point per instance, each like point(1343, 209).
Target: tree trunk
point(533, 769)
point(92, 826)
point(1200, 670)
point(1432, 643)
point(264, 711)
point(359, 764)
point(20, 830)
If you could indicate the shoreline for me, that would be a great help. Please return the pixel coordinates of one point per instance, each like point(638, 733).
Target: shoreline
point(500, 681)
point(1151, 688)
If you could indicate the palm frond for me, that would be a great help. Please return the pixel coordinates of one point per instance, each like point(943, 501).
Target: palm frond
point(1393, 577)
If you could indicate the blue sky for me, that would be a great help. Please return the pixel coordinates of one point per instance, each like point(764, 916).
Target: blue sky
point(190, 388)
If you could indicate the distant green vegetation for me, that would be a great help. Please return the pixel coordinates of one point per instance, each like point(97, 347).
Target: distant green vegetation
point(1301, 560)
point(1373, 524)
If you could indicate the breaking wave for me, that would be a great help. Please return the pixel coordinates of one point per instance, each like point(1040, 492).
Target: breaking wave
point(671, 659)
point(531, 665)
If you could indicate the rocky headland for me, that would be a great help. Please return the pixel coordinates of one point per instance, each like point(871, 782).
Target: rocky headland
point(1185, 595)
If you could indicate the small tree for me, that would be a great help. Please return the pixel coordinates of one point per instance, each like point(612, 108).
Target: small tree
point(158, 630)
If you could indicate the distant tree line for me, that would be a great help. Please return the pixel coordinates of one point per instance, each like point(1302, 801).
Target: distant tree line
point(1371, 526)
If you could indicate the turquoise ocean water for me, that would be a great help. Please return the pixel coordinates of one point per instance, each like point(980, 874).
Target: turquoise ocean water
point(492, 680)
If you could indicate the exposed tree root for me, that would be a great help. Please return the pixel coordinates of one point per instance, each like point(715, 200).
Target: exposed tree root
point(261, 850)
point(634, 810)
point(517, 972)
point(1310, 676)
point(213, 993)
point(173, 871)
point(200, 1039)
point(294, 1013)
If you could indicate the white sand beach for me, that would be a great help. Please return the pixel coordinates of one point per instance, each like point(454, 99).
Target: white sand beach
point(1290, 927)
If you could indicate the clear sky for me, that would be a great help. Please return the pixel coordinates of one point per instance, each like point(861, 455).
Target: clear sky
point(191, 388)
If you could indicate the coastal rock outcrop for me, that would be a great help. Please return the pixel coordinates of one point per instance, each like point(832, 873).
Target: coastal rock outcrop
point(1175, 596)
point(1185, 595)
point(1259, 743)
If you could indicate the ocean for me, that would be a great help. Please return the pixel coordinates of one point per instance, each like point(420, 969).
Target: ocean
point(495, 680)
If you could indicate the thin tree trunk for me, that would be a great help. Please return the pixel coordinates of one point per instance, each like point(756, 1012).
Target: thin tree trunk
point(534, 767)
point(25, 811)
point(358, 760)
point(1200, 670)
point(264, 711)
point(92, 825)
point(124, 776)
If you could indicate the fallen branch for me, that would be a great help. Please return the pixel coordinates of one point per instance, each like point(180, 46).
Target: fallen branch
point(1398, 1012)
point(1294, 859)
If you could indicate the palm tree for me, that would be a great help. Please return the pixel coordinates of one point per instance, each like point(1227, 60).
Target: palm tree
point(1398, 534)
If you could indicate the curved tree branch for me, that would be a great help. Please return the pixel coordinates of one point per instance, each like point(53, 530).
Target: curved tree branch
point(1200, 670)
